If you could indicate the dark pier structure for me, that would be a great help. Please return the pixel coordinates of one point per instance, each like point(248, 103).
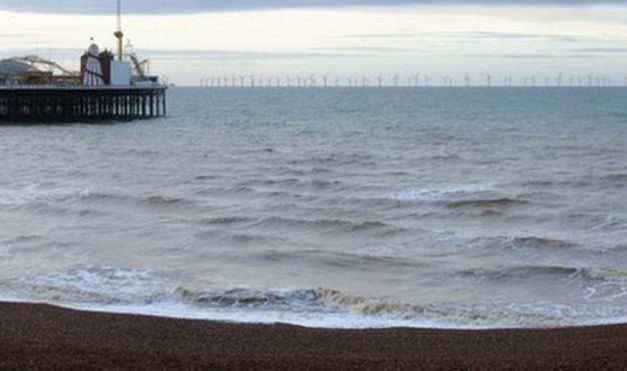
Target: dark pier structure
point(35, 104)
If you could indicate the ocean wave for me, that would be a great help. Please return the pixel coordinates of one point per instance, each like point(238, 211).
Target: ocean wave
point(485, 203)
point(164, 200)
point(338, 225)
point(228, 220)
point(542, 243)
point(342, 260)
point(594, 222)
point(335, 160)
point(299, 306)
point(617, 179)
point(317, 184)
point(588, 274)
point(442, 193)
point(33, 193)
point(91, 284)
point(517, 272)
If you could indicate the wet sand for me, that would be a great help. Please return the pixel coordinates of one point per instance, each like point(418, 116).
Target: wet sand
point(36, 337)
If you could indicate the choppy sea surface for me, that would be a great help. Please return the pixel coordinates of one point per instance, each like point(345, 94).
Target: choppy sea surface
point(452, 208)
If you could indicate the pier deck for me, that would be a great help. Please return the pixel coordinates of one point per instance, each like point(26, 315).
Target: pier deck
point(43, 103)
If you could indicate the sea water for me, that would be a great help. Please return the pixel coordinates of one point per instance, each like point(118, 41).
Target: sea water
point(456, 207)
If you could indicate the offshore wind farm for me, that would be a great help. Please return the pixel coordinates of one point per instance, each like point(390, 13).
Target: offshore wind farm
point(417, 80)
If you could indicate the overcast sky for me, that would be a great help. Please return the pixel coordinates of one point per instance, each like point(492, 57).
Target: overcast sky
point(190, 39)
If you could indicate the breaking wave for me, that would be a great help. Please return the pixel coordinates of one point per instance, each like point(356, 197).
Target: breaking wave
point(107, 288)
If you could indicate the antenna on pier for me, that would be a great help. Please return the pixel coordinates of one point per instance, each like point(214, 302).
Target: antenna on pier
point(118, 33)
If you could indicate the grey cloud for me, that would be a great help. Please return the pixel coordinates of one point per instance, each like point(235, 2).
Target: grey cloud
point(196, 6)
point(608, 50)
point(205, 55)
point(367, 49)
point(530, 56)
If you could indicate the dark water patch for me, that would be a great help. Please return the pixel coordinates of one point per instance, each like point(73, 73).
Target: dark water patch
point(140, 152)
point(26, 238)
point(90, 213)
point(329, 225)
point(228, 220)
point(325, 184)
point(98, 196)
point(517, 272)
point(542, 243)
point(338, 259)
point(569, 274)
point(616, 179)
point(164, 200)
point(441, 158)
point(333, 160)
point(250, 239)
point(205, 177)
point(238, 190)
point(487, 203)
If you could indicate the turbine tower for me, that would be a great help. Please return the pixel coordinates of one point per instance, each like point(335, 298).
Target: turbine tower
point(325, 80)
point(118, 33)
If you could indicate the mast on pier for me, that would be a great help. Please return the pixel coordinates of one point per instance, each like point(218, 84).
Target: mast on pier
point(118, 33)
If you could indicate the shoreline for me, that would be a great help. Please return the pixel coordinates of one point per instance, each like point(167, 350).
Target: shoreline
point(39, 336)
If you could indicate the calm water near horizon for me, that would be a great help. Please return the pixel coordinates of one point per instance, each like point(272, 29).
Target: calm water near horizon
point(446, 207)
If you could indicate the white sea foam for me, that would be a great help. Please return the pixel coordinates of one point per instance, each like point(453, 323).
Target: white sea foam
point(442, 193)
point(143, 292)
point(27, 193)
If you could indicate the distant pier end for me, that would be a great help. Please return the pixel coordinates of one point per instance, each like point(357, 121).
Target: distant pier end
point(24, 104)
point(107, 87)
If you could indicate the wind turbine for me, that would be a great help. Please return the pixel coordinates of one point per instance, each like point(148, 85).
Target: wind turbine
point(488, 80)
point(395, 79)
point(467, 81)
point(365, 82)
point(325, 80)
point(380, 81)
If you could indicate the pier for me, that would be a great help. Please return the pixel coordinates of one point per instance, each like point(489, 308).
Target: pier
point(35, 104)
